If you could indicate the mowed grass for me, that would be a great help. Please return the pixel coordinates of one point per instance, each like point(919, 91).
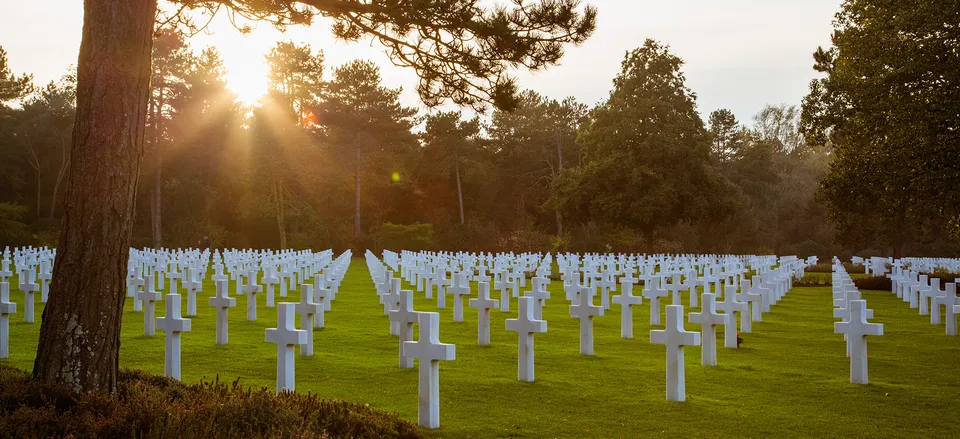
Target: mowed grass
point(789, 379)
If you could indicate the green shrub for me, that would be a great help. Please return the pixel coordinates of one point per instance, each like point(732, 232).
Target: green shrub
point(827, 267)
point(148, 406)
point(414, 237)
point(879, 283)
point(13, 232)
point(813, 280)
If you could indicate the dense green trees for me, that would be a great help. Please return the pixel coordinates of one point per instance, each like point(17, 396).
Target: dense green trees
point(888, 106)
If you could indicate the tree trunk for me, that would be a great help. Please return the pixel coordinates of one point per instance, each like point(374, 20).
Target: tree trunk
point(281, 214)
point(64, 165)
point(356, 172)
point(80, 335)
point(559, 168)
point(459, 191)
point(157, 193)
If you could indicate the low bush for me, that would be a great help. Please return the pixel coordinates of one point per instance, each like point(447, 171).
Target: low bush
point(813, 280)
point(827, 267)
point(413, 237)
point(148, 406)
point(879, 283)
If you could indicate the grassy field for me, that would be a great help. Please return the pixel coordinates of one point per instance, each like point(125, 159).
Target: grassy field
point(789, 379)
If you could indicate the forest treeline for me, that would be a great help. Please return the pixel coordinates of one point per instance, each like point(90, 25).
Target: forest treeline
point(330, 158)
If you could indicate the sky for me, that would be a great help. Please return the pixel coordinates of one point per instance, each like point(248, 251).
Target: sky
point(739, 54)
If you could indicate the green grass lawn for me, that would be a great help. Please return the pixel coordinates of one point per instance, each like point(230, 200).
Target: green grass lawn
point(789, 379)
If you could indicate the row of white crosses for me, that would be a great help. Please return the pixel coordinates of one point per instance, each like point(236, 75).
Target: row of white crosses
point(246, 264)
point(853, 311)
point(924, 292)
point(770, 286)
point(286, 335)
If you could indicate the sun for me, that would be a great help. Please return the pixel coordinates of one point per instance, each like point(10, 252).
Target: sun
point(247, 77)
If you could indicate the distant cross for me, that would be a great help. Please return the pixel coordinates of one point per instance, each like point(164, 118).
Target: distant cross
point(405, 317)
point(675, 338)
point(29, 287)
point(483, 304)
point(627, 300)
point(44, 277)
point(149, 297)
point(269, 280)
point(307, 308)
point(173, 325)
point(192, 286)
point(538, 291)
point(250, 290)
point(525, 325)
point(586, 311)
point(653, 293)
point(286, 336)
point(222, 302)
point(750, 299)
point(429, 351)
point(134, 284)
point(949, 301)
point(462, 288)
point(857, 330)
point(729, 305)
point(323, 298)
point(708, 318)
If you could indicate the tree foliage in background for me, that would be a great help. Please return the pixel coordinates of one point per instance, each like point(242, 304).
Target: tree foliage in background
point(888, 106)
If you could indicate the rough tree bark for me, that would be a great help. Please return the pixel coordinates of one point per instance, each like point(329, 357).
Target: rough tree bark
point(459, 190)
point(64, 166)
point(356, 170)
point(80, 335)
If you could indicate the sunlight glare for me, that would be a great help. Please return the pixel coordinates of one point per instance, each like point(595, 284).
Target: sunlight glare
point(247, 77)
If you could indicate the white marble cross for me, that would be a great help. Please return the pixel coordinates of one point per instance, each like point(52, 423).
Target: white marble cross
point(29, 286)
point(429, 352)
point(323, 297)
point(286, 336)
point(731, 307)
point(460, 289)
point(250, 290)
point(222, 302)
point(307, 309)
point(538, 290)
point(653, 293)
point(525, 325)
point(483, 304)
point(746, 297)
point(173, 325)
point(134, 284)
point(857, 330)
point(504, 292)
point(6, 308)
point(675, 338)
point(404, 317)
point(607, 284)
point(947, 300)
point(951, 308)
point(193, 286)
point(708, 319)
point(626, 300)
point(44, 277)
point(149, 297)
point(585, 311)
point(269, 280)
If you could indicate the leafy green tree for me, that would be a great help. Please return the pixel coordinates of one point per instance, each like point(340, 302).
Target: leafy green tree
point(725, 133)
point(296, 74)
point(366, 119)
point(12, 87)
point(171, 63)
point(647, 163)
point(888, 106)
point(445, 137)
